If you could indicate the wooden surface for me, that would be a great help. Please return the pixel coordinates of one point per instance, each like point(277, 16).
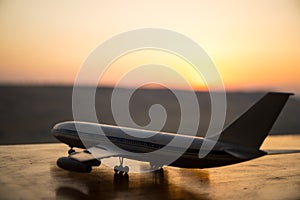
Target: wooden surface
point(30, 172)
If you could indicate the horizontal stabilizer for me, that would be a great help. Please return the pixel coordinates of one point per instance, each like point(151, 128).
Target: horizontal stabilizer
point(282, 151)
point(244, 154)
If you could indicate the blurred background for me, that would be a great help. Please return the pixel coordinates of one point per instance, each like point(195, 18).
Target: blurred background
point(29, 112)
point(255, 46)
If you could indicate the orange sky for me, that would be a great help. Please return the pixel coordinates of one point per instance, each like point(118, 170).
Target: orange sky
point(254, 44)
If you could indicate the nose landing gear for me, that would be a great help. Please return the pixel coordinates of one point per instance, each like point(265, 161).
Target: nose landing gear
point(71, 150)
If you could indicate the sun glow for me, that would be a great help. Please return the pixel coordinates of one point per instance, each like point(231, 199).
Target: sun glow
point(170, 67)
point(254, 45)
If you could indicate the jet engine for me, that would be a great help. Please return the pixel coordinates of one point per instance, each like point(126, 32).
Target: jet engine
point(71, 164)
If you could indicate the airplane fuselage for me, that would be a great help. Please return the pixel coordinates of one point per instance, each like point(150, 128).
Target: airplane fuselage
point(137, 142)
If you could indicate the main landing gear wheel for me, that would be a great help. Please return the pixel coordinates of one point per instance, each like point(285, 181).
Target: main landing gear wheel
point(120, 169)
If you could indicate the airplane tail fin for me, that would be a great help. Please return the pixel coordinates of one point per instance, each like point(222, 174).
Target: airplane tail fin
point(252, 127)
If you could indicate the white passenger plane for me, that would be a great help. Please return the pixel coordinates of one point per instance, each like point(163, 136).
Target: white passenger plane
point(239, 142)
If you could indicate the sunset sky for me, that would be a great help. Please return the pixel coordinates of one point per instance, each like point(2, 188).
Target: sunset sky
point(255, 45)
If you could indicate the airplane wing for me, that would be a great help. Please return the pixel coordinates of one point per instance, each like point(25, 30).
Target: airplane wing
point(282, 151)
point(99, 152)
point(83, 161)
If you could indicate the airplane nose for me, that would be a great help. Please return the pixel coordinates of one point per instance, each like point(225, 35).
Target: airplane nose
point(61, 129)
point(55, 130)
point(66, 132)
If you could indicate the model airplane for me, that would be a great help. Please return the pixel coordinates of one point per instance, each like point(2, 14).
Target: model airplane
point(239, 142)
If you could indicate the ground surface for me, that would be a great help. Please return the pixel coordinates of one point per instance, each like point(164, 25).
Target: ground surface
point(30, 172)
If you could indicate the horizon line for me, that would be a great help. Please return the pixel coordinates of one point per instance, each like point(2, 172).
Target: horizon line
point(11, 84)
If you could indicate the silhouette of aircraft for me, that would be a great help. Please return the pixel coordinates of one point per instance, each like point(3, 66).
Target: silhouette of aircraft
point(238, 142)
